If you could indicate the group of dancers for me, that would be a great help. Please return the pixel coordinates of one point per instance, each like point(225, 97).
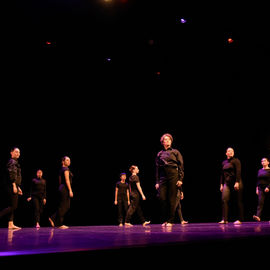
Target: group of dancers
point(169, 181)
point(13, 181)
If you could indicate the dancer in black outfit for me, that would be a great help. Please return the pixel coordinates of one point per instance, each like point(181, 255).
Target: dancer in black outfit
point(231, 181)
point(263, 187)
point(135, 192)
point(13, 182)
point(38, 196)
point(169, 176)
point(122, 198)
point(65, 191)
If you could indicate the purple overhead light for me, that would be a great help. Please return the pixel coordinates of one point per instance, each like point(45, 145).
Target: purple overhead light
point(182, 20)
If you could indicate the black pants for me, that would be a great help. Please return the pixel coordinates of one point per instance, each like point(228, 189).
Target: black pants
point(261, 199)
point(167, 194)
point(226, 194)
point(135, 207)
point(122, 206)
point(12, 199)
point(38, 207)
point(63, 207)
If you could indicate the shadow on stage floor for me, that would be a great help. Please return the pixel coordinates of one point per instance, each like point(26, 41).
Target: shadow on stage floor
point(209, 245)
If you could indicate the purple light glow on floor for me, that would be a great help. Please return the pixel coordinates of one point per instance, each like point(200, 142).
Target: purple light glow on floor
point(29, 241)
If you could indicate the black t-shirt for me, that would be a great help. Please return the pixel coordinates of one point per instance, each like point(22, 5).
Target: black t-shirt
point(122, 190)
point(62, 180)
point(133, 180)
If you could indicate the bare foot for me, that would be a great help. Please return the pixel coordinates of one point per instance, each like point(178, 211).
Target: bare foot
point(223, 222)
point(256, 218)
point(128, 225)
point(63, 227)
point(11, 226)
point(237, 222)
point(146, 223)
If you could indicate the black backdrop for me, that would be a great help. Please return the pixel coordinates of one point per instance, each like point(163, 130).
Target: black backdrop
point(118, 75)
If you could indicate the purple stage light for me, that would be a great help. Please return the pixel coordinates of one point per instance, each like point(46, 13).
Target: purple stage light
point(182, 20)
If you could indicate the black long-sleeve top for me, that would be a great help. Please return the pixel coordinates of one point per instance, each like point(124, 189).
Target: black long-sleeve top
point(263, 178)
point(230, 171)
point(38, 188)
point(170, 158)
point(14, 172)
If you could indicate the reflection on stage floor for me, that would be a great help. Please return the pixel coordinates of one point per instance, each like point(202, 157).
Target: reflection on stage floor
point(179, 239)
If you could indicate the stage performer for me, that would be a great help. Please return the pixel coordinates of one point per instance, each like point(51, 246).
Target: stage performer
point(38, 196)
point(65, 192)
point(169, 177)
point(263, 187)
point(135, 193)
point(13, 183)
point(231, 182)
point(122, 198)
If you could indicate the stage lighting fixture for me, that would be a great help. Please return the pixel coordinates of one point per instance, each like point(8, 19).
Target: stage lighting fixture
point(182, 20)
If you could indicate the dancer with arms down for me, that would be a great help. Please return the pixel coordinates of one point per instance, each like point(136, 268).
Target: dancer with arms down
point(231, 182)
point(169, 177)
point(38, 196)
point(135, 193)
point(65, 192)
point(122, 198)
point(13, 190)
point(263, 187)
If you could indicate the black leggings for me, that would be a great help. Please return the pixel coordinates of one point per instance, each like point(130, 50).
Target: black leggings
point(261, 199)
point(12, 204)
point(64, 206)
point(122, 205)
point(38, 207)
point(135, 208)
point(178, 208)
point(226, 194)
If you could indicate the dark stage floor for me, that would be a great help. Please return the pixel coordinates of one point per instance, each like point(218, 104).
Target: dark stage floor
point(101, 242)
